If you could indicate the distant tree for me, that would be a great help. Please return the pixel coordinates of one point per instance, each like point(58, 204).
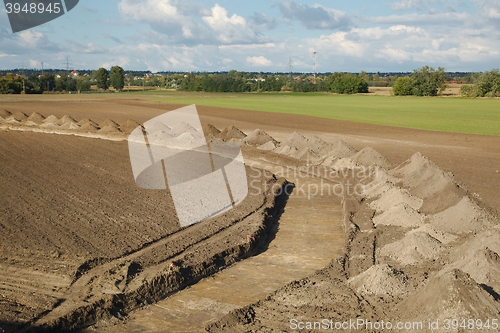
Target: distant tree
point(83, 85)
point(11, 85)
point(427, 81)
point(101, 78)
point(403, 86)
point(117, 77)
point(488, 84)
point(349, 83)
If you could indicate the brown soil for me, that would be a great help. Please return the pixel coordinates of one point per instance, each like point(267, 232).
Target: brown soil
point(430, 233)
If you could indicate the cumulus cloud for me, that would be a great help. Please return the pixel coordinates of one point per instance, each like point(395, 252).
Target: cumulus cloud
point(259, 61)
point(230, 29)
point(186, 23)
point(315, 17)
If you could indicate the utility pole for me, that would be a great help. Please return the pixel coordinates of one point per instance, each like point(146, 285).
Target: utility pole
point(290, 67)
point(42, 68)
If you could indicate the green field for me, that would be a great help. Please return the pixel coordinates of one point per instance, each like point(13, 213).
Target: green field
point(479, 116)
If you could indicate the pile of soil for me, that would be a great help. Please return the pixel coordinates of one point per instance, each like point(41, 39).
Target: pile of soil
point(4, 113)
point(232, 133)
point(259, 138)
point(393, 197)
point(414, 248)
point(268, 146)
point(51, 119)
point(19, 115)
point(401, 215)
point(37, 118)
point(380, 280)
point(369, 156)
point(66, 120)
point(212, 131)
point(128, 126)
point(88, 125)
point(464, 217)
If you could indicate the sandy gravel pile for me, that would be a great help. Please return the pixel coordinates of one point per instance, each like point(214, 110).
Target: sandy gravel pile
point(36, 118)
point(4, 113)
point(464, 217)
point(51, 119)
point(88, 125)
point(128, 126)
point(211, 131)
point(369, 156)
point(393, 197)
point(232, 133)
point(259, 138)
point(380, 280)
point(313, 149)
point(401, 215)
point(414, 248)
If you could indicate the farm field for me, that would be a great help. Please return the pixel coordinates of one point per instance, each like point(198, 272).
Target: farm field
point(84, 248)
point(478, 116)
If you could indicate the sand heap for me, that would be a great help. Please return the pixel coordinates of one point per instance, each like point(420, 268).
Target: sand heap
point(87, 125)
point(380, 280)
point(5, 114)
point(232, 133)
point(429, 182)
point(395, 196)
point(36, 118)
point(313, 149)
point(401, 215)
point(128, 126)
point(453, 294)
point(68, 123)
point(109, 126)
point(369, 156)
point(50, 122)
point(211, 131)
point(414, 248)
point(259, 138)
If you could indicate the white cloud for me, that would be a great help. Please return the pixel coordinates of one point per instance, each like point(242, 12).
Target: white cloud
point(229, 29)
point(315, 17)
point(259, 61)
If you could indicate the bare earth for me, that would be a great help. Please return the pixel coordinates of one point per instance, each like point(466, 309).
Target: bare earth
point(82, 245)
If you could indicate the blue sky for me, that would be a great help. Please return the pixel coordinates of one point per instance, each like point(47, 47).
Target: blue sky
point(258, 35)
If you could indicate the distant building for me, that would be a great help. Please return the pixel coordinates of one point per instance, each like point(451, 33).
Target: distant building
point(74, 73)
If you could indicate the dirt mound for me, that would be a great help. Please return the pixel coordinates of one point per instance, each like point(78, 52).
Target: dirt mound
point(49, 125)
point(296, 140)
point(401, 215)
point(36, 117)
point(340, 148)
point(20, 115)
point(464, 217)
point(128, 126)
point(66, 120)
point(421, 175)
point(87, 121)
point(453, 295)
point(12, 120)
point(110, 129)
point(441, 236)
point(69, 125)
point(51, 119)
point(232, 132)
point(258, 138)
point(483, 265)
point(380, 280)
point(4, 113)
point(414, 248)
point(268, 146)
point(369, 156)
point(393, 197)
point(89, 127)
point(109, 122)
point(212, 130)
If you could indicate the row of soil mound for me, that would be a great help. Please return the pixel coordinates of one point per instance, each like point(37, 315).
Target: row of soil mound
point(65, 124)
point(419, 247)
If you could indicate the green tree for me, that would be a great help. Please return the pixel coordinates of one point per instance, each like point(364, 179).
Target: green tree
point(349, 83)
point(117, 77)
point(101, 78)
point(488, 84)
point(403, 86)
point(427, 81)
point(83, 85)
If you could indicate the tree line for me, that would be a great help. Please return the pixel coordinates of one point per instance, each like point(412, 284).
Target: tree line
point(54, 82)
point(425, 81)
